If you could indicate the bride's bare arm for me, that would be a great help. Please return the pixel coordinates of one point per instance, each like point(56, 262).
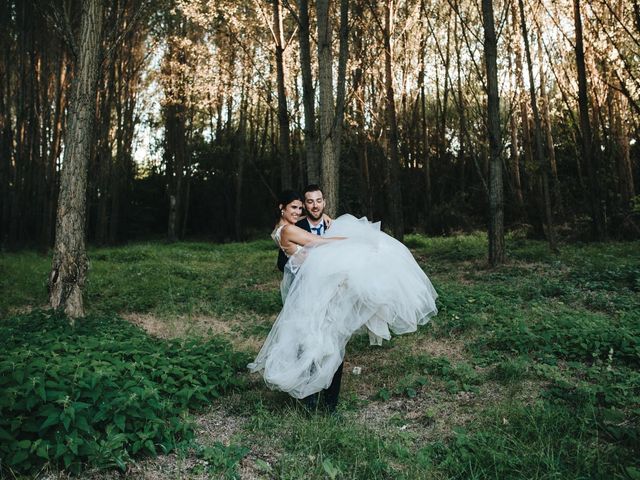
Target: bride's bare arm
point(293, 235)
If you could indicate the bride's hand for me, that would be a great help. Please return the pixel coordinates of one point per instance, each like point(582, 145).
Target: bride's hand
point(327, 220)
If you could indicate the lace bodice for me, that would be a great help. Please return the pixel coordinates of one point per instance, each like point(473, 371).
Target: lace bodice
point(277, 234)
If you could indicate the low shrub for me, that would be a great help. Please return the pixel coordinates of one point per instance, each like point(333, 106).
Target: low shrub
point(542, 441)
point(586, 338)
point(101, 391)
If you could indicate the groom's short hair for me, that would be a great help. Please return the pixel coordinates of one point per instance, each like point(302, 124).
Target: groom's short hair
point(312, 188)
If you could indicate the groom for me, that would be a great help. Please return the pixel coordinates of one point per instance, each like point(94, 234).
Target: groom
point(314, 223)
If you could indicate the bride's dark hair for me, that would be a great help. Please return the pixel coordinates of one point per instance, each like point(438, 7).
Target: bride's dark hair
point(286, 197)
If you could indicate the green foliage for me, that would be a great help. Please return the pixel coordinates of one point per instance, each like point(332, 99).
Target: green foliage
point(457, 249)
point(511, 370)
point(408, 386)
point(325, 446)
point(102, 391)
point(23, 280)
point(456, 378)
point(543, 380)
point(164, 279)
point(219, 459)
point(586, 338)
point(544, 441)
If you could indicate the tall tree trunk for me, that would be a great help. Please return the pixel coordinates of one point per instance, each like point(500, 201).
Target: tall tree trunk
point(623, 153)
point(522, 103)
point(308, 96)
point(55, 148)
point(7, 168)
point(496, 203)
point(343, 57)
point(586, 143)
point(283, 112)
point(462, 116)
point(240, 140)
point(537, 133)
point(546, 121)
point(176, 114)
point(330, 162)
point(359, 89)
point(514, 152)
point(392, 170)
point(69, 267)
point(175, 153)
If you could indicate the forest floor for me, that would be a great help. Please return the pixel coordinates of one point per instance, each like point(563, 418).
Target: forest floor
point(530, 370)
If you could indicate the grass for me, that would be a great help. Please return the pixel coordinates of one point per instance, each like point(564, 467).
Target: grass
point(530, 370)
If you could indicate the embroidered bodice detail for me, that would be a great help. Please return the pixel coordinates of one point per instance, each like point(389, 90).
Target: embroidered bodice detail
point(277, 235)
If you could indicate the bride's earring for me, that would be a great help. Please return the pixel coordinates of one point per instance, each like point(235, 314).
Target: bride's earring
point(282, 213)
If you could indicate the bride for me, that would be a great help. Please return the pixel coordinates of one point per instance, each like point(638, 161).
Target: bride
point(355, 278)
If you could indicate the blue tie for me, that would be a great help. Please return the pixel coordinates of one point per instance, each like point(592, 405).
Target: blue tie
point(317, 230)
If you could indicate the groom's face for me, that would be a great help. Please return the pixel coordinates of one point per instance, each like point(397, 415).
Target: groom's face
point(314, 204)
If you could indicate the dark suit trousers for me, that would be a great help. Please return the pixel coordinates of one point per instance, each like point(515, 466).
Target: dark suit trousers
point(330, 394)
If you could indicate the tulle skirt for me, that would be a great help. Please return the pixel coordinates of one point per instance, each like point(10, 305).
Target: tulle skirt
point(369, 281)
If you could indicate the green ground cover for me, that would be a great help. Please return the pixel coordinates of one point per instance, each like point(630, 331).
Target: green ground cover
point(530, 370)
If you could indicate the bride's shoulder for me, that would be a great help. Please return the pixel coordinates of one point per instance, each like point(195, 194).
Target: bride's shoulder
point(277, 231)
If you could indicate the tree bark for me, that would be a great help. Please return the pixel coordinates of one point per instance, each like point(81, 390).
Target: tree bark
point(424, 131)
point(546, 121)
point(537, 133)
point(522, 104)
point(392, 170)
point(343, 57)
point(283, 112)
point(586, 143)
point(330, 162)
point(308, 96)
point(69, 267)
point(496, 202)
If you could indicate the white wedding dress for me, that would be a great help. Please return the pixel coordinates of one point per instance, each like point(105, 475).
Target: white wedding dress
point(368, 281)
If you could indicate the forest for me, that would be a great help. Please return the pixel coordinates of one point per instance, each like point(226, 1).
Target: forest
point(205, 110)
point(143, 146)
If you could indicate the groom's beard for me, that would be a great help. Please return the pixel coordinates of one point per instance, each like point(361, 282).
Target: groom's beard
point(314, 217)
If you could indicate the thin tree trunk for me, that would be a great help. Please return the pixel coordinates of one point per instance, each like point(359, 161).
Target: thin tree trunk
point(343, 57)
point(537, 133)
point(394, 191)
point(424, 132)
point(546, 120)
point(241, 153)
point(623, 152)
point(69, 267)
point(175, 153)
point(513, 130)
point(587, 151)
point(496, 203)
point(7, 168)
point(308, 96)
point(330, 163)
point(283, 112)
point(623, 156)
point(462, 120)
point(522, 102)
